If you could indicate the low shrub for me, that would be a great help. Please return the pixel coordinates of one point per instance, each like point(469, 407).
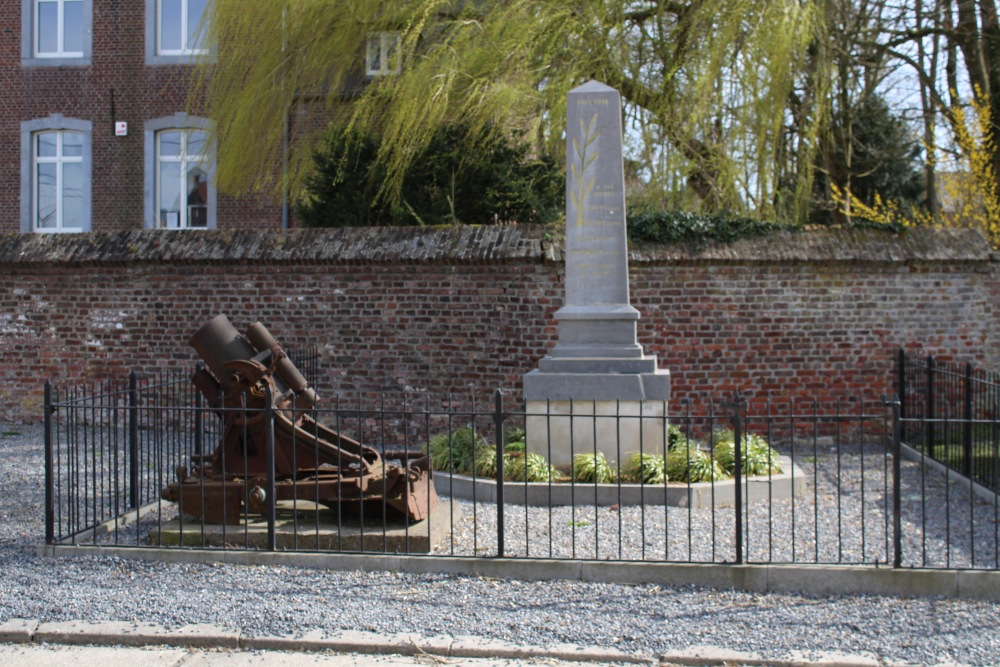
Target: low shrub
point(642, 468)
point(692, 464)
point(758, 457)
point(486, 462)
point(456, 451)
point(464, 452)
point(529, 467)
point(593, 467)
point(513, 435)
point(675, 436)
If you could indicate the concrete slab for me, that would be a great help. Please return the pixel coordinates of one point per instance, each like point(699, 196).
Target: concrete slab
point(304, 525)
point(712, 655)
point(680, 574)
point(841, 579)
point(573, 653)
point(136, 634)
point(476, 647)
point(832, 659)
point(80, 632)
point(293, 659)
point(983, 584)
point(17, 630)
point(314, 640)
point(248, 658)
point(350, 641)
point(24, 655)
point(60, 656)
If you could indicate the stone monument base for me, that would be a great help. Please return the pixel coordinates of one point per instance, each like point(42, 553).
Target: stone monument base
point(558, 430)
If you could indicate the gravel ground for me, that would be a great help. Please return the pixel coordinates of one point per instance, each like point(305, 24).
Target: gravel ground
point(645, 619)
point(839, 519)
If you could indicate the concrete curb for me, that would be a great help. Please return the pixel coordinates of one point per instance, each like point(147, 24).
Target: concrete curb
point(815, 579)
point(116, 633)
point(17, 631)
point(135, 634)
point(710, 656)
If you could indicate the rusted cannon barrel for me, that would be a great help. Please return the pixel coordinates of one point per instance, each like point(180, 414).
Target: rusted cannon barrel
point(218, 343)
point(261, 338)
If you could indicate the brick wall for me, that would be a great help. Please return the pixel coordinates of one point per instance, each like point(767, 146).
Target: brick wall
point(449, 309)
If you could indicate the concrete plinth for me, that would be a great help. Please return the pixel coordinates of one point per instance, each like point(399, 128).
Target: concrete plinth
point(558, 430)
point(305, 526)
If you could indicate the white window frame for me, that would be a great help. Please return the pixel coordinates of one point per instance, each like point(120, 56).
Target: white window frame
point(151, 189)
point(29, 170)
point(155, 55)
point(387, 44)
point(31, 57)
point(60, 160)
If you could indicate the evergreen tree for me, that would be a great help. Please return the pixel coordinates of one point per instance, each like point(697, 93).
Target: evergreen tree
point(870, 152)
point(445, 184)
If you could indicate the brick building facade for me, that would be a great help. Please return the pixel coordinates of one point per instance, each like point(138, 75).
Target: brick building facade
point(70, 70)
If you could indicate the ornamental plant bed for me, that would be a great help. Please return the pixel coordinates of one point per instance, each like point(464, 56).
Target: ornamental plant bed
point(687, 476)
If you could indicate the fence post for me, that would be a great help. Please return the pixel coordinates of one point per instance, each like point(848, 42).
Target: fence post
point(738, 474)
point(901, 384)
point(199, 416)
point(133, 441)
point(931, 435)
point(50, 517)
point(498, 418)
point(995, 471)
point(967, 430)
point(269, 462)
point(897, 523)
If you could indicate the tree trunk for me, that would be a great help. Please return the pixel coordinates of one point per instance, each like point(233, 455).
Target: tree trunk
point(991, 62)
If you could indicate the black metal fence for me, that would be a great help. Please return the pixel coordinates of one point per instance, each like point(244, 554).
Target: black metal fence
point(836, 486)
point(955, 410)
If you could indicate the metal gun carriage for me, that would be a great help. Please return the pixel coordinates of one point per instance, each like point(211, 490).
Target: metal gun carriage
point(267, 412)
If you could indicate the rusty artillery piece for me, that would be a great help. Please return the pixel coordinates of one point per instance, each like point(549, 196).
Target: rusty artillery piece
point(311, 462)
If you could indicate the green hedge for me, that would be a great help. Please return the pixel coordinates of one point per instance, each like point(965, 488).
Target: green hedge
point(669, 227)
point(699, 229)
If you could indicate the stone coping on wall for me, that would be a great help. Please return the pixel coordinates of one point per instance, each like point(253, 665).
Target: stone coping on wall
point(471, 244)
point(922, 244)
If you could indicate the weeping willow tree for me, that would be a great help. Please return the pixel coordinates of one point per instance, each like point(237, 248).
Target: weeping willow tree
point(705, 85)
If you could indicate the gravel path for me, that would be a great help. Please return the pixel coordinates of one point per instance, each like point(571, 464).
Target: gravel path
point(645, 619)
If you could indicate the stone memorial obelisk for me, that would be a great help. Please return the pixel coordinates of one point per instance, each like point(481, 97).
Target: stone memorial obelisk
point(596, 382)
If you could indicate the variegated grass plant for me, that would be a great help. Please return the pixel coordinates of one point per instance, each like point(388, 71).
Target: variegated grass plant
point(757, 457)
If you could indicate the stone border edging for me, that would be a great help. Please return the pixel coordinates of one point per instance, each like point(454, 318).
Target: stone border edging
point(914, 454)
point(696, 495)
point(815, 579)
